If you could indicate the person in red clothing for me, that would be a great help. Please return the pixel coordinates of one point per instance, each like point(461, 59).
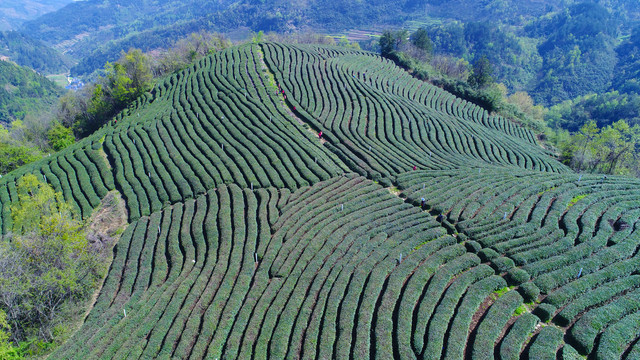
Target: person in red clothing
point(320, 135)
point(415, 167)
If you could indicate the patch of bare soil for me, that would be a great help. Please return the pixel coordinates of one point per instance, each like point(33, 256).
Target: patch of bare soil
point(104, 228)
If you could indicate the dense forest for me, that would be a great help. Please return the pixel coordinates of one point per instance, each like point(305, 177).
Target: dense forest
point(22, 90)
point(25, 51)
point(585, 48)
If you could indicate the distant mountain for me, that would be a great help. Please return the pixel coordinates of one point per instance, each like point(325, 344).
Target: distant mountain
point(544, 47)
point(95, 31)
point(32, 53)
point(14, 12)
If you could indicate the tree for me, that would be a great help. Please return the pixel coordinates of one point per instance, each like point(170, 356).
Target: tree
point(7, 351)
point(60, 137)
point(344, 42)
point(615, 145)
point(137, 67)
point(391, 41)
point(420, 39)
point(120, 89)
point(482, 73)
point(189, 49)
point(257, 37)
point(45, 263)
point(524, 103)
point(610, 150)
point(387, 43)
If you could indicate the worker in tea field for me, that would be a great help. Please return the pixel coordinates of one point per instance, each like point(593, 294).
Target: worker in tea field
point(415, 167)
point(320, 135)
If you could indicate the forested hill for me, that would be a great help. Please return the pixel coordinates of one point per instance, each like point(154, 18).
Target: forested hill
point(22, 91)
point(299, 201)
point(32, 53)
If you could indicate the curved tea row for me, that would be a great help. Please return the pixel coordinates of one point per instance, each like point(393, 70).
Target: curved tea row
point(569, 242)
point(337, 270)
point(248, 241)
point(381, 132)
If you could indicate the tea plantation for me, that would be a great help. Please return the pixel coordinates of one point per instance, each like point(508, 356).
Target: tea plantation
point(297, 201)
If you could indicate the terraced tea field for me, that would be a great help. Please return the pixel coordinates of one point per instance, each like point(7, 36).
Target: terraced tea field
point(290, 201)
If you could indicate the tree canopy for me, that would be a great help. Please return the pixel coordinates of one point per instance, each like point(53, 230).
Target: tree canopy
point(46, 263)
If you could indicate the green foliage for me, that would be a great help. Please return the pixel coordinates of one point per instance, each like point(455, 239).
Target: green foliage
point(452, 75)
point(60, 137)
point(31, 53)
point(610, 150)
point(20, 144)
point(35, 201)
point(344, 42)
point(257, 37)
point(23, 91)
point(46, 265)
point(515, 59)
point(481, 76)
point(578, 52)
point(575, 200)
point(604, 109)
point(7, 350)
point(15, 156)
point(420, 39)
point(498, 293)
point(520, 310)
point(124, 81)
point(627, 70)
point(391, 41)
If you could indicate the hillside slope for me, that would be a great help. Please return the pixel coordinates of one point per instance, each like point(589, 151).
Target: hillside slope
point(22, 90)
point(252, 236)
point(31, 53)
point(15, 12)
